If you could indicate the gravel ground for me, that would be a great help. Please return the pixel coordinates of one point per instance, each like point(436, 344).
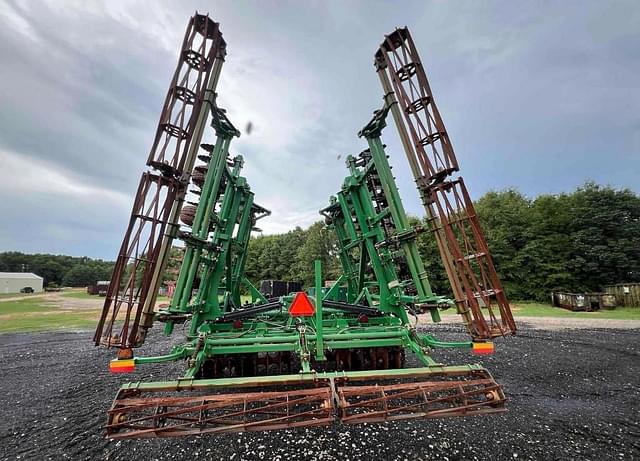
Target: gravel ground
point(573, 394)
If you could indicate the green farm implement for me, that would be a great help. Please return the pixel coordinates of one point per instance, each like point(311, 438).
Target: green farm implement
point(335, 351)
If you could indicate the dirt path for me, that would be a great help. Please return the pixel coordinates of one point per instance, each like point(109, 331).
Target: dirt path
point(68, 302)
point(64, 301)
point(26, 297)
point(548, 323)
point(559, 323)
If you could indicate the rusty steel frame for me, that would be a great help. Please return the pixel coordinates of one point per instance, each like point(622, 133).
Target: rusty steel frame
point(455, 215)
point(201, 46)
point(219, 413)
point(431, 143)
point(393, 402)
point(128, 309)
point(450, 211)
point(139, 250)
point(327, 397)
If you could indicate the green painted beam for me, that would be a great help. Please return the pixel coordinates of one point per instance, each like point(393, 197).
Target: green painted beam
point(224, 383)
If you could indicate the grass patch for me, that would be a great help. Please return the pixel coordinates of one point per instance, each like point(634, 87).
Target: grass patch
point(62, 320)
point(82, 294)
point(533, 309)
point(40, 315)
point(24, 306)
point(18, 295)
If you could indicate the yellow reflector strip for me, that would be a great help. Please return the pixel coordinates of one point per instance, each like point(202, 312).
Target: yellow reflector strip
point(483, 348)
point(122, 366)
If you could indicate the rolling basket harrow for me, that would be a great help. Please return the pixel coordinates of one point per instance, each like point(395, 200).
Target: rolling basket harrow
point(312, 357)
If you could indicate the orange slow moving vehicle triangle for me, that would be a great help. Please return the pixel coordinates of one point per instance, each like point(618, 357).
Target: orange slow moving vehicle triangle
point(301, 305)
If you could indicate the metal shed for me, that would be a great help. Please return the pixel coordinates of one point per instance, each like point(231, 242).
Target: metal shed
point(14, 282)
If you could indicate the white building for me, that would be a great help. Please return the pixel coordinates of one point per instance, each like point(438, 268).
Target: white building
point(13, 282)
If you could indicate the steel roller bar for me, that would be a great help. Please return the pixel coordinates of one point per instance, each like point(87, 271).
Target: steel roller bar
point(139, 250)
point(455, 216)
point(431, 143)
point(450, 211)
point(317, 399)
point(128, 309)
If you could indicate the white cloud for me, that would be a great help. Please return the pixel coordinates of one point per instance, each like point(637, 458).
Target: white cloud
point(520, 89)
point(21, 175)
point(13, 19)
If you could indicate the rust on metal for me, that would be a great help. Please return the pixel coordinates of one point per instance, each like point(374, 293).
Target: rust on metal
point(202, 45)
point(143, 411)
point(126, 314)
point(360, 404)
point(450, 210)
point(431, 142)
point(139, 417)
point(454, 213)
point(139, 251)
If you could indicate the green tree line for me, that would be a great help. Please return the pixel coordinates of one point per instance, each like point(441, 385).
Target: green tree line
point(577, 241)
point(57, 270)
point(71, 271)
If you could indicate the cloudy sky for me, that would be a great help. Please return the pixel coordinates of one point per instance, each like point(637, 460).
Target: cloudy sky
point(535, 95)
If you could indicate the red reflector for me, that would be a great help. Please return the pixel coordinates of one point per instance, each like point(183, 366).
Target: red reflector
point(301, 305)
point(122, 366)
point(237, 324)
point(483, 348)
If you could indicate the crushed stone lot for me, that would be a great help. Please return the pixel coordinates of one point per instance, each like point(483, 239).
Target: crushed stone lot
point(573, 394)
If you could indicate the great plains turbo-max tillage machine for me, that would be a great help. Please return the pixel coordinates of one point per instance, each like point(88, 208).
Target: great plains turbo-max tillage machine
point(334, 352)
